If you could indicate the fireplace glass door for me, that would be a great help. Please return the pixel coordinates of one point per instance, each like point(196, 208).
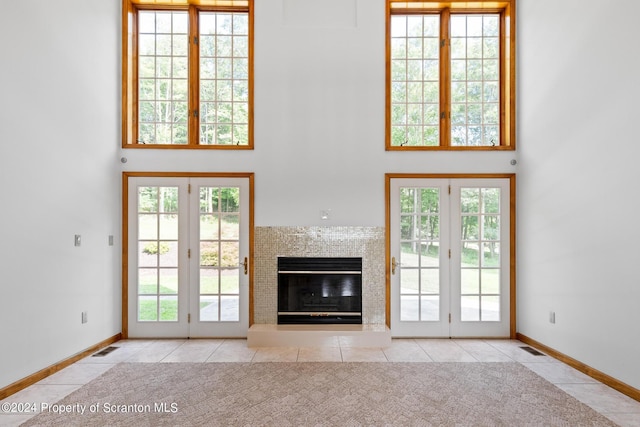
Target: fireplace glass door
point(319, 290)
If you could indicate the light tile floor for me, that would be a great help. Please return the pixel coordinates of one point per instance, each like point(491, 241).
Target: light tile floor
point(614, 405)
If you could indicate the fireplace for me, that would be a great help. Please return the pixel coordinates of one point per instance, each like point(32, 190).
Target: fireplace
point(319, 290)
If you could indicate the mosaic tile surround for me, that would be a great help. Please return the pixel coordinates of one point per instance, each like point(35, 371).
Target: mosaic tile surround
point(273, 242)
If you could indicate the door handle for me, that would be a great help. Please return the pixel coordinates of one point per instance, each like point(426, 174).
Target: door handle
point(246, 265)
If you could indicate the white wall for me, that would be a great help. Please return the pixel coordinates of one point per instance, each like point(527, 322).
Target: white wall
point(319, 125)
point(59, 136)
point(578, 237)
point(319, 119)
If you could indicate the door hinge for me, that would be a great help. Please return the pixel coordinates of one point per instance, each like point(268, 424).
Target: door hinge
point(188, 253)
point(443, 115)
point(189, 318)
point(195, 40)
point(189, 188)
point(449, 253)
point(449, 317)
point(443, 42)
point(449, 189)
point(195, 113)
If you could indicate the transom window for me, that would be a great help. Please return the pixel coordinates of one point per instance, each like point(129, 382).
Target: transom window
point(187, 74)
point(450, 75)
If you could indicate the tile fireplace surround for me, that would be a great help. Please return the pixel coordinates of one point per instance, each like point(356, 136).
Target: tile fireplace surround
point(365, 242)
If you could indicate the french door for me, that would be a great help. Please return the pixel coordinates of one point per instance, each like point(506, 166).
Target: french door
point(450, 257)
point(188, 255)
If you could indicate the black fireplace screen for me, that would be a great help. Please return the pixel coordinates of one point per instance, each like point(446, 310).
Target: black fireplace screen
point(319, 290)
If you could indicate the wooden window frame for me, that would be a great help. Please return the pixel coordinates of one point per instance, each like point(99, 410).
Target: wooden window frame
point(507, 11)
point(130, 10)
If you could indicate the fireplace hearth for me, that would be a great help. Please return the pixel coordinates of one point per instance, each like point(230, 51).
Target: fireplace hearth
point(319, 290)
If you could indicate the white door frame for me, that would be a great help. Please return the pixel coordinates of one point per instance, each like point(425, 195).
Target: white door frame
point(165, 178)
point(508, 259)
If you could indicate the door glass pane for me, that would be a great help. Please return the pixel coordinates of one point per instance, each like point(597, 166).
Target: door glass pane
point(469, 200)
point(490, 227)
point(430, 280)
point(409, 281)
point(157, 254)
point(231, 229)
point(169, 281)
point(147, 308)
point(169, 226)
point(168, 253)
point(490, 281)
point(229, 252)
point(490, 308)
point(230, 281)
point(209, 254)
point(409, 254)
point(209, 281)
point(491, 254)
point(148, 226)
point(480, 256)
point(430, 256)
point(470, 308)
point(209, 310)
point(209, 226)
point(470, 281)
point(169, 308)
point(219, 254)
point(148, 253)
point(229, 308)
point(147, 281)
point(420, 254)
point(430, 308)
point(410, 308)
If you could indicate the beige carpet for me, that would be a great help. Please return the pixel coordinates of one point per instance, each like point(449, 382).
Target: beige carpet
point(321, 394)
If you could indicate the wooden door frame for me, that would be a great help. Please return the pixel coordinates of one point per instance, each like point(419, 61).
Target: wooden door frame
point(125, 230)
point(512, 233)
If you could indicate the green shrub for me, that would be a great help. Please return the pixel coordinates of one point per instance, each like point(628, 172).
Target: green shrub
point(152, 248)
point(209, 257)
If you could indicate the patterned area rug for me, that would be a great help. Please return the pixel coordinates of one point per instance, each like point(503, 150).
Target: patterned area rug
point(319, 394)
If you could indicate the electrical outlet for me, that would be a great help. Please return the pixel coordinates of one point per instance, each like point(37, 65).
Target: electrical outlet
point(84, 317)
point(77, 240)
point(552, 317)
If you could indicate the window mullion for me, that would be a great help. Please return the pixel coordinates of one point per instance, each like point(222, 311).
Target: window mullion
point(194, 77)
point(506, 106)
point(445, 79)
point(133, 106)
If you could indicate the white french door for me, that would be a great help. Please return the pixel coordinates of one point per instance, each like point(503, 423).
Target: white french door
point(188, 254)
point(450, 256)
